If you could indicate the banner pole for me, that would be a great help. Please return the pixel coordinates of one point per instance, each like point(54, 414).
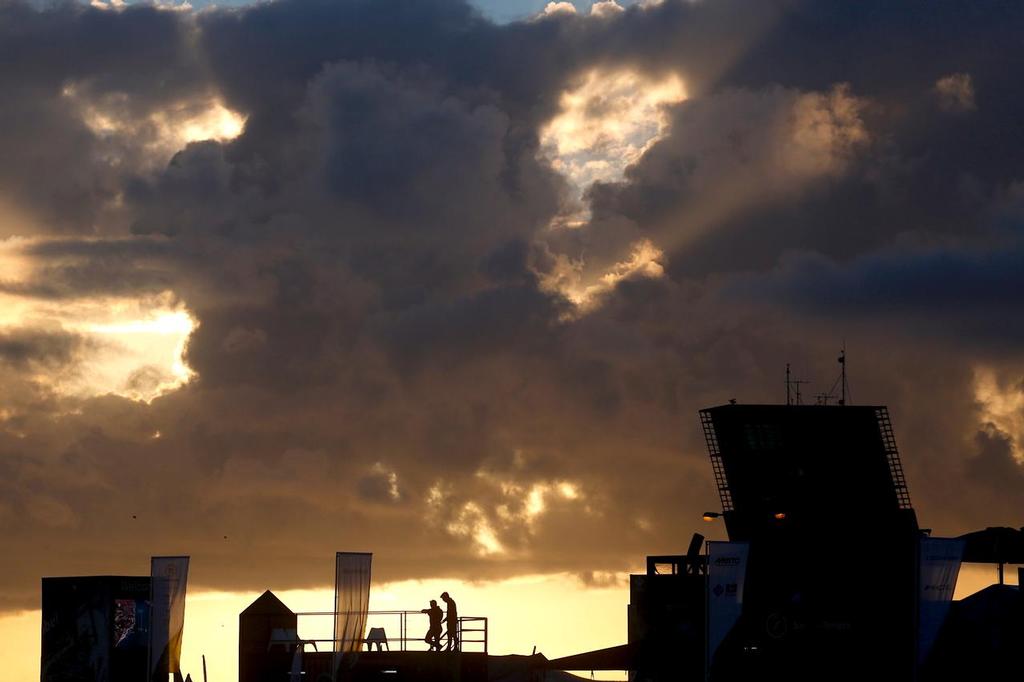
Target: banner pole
point(707, 612)
point(149, 648)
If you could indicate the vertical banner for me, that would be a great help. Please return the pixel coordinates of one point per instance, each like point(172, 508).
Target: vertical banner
point(168, 579)
point(351, 602)
point(727, 567)
point(939, 565)
point(296, 673)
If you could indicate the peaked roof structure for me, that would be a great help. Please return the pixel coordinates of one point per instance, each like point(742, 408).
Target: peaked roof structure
point(267, 604)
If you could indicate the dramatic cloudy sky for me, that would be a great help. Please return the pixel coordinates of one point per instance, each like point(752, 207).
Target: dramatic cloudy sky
point(411, 277)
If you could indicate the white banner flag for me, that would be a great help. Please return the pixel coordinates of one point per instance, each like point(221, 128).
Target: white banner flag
point(727, 567)
point(351, 601)
point(168, 579)
point(940, 566)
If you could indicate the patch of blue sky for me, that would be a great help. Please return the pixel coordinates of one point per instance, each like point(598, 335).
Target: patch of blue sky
point(501, 11)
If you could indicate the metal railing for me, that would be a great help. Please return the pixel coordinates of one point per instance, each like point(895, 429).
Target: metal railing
point(317, 628)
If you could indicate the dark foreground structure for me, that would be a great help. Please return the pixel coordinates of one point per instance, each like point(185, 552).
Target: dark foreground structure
point(270, 650)
point(819, 494)
point(826, 576)
point(836, 567)
point(95, 629)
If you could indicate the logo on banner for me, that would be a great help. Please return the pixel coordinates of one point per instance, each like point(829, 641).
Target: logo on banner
point(727, 563)
point(945, 587)
point(776, 626)
point(729, 590)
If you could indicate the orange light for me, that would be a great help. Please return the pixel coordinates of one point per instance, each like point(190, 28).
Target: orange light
point(780, 515)
point(708, 517)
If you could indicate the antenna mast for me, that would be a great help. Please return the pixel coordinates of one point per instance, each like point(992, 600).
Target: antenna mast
point(788, 401)
point(793, 388)
point(842, 364)
point(840, 382)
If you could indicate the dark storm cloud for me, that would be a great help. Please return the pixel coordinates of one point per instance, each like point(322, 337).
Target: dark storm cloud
point(995, 468)
point(386, 140)
point(964, 297)
point(494, 321)
point(23, 348)
point(75, 269)
point(378, 361)
point(54, 60)
point(921, 169)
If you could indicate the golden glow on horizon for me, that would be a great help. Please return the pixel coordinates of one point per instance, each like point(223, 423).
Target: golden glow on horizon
point(521, 613)
point(556, 613)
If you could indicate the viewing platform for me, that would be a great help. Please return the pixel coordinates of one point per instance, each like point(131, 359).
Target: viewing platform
point(394, 631)
point(276, 643)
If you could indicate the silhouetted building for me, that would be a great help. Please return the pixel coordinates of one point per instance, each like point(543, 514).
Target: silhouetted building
point(666, 619)
point(95, 629)
point(826, 575)
point(819, 494)
point(258, 659)
point(983, 638)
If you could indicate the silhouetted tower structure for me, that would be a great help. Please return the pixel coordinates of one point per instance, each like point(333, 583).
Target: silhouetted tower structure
point(258, 661)
point(819, 493)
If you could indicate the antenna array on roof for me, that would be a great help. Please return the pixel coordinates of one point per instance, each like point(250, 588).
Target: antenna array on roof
point(793, 395)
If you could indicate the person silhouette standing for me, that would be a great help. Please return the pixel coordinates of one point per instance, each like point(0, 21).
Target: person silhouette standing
point(433, 638)
point(451, 620)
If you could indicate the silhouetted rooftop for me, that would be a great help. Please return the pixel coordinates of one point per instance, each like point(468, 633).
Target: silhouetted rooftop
point(267, 604)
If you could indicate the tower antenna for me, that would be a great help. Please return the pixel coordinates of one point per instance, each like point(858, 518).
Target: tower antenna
point(793, 388)
point(842, 364)
point(788, 401)
point(841, 382)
